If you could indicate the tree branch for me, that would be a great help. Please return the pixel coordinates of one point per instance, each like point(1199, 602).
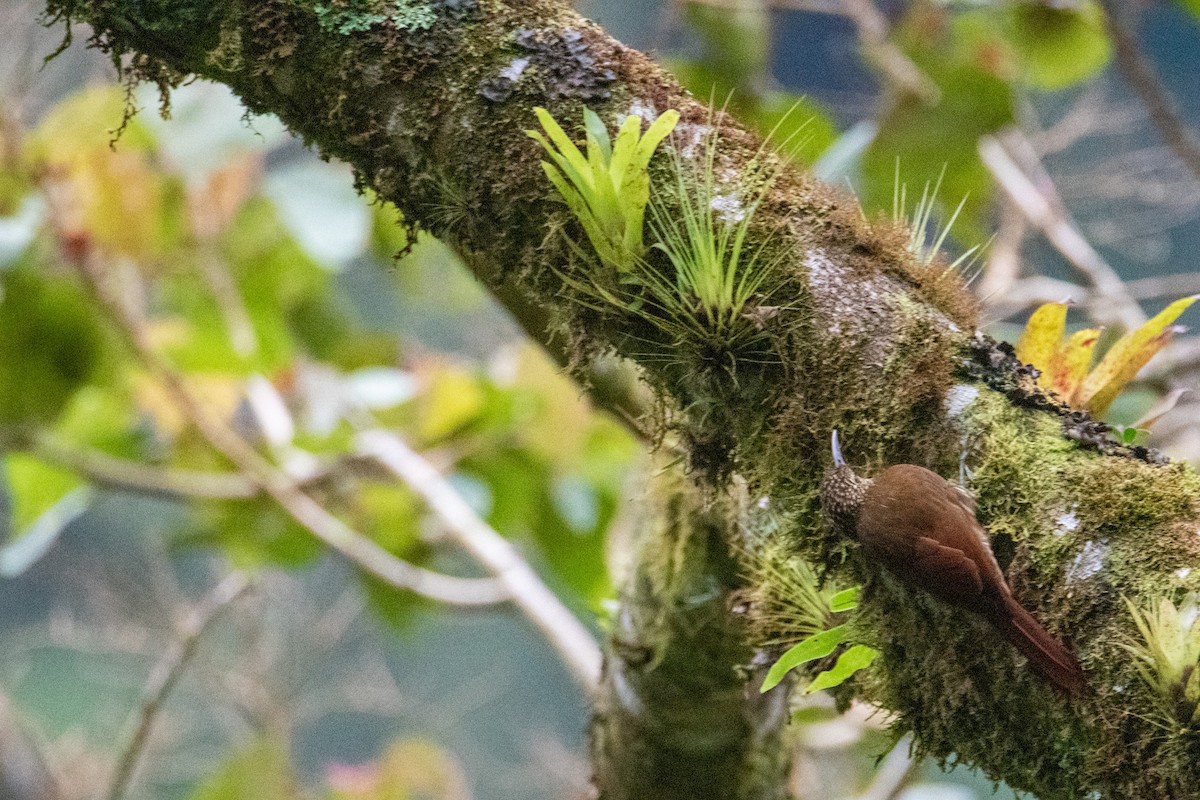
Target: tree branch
point(121, 474)
point(365, 553)
point(1142, 77)
point(574, 643)
point(166, 674)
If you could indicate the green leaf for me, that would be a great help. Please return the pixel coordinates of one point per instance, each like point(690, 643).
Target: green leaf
point(1059, 46)
point(845, 600)
point(51, 344)
point(816, 646)
point(799, 126)
point(262, 771)
point(856, 658)
point(34, 487)
point(45, 500)
point(253, 533)
point(976, 98)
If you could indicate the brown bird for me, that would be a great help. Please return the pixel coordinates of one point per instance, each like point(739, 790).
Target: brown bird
point(922, 529)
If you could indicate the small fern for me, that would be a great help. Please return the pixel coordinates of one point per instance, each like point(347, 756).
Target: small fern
point(820, 645)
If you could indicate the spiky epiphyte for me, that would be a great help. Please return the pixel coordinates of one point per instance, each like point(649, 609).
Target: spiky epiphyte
point(843, 492)
point(1168, 658)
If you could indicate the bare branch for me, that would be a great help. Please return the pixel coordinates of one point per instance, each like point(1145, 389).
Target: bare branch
point(1041, 206)
point(574, 643)
point(291, 498)
point(1143, 78)
point(897, 67)
point(166, 674)
point(122, 474)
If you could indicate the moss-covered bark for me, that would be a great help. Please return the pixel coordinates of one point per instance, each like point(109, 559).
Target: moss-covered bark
point(676, 718)
point(428, 100)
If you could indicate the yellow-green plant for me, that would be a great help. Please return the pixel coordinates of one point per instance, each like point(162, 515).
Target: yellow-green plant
point(820, 645)
point(608, 188)
point(1066, 361)
point(924, 247)
point(1168, 657)
point(704, 234)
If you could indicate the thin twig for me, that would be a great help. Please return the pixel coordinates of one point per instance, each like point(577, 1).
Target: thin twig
point(1143, 78)
point(291, 498)
point(166, 674)
point(1044, 211)
point(574, 643)
point(1003, 265)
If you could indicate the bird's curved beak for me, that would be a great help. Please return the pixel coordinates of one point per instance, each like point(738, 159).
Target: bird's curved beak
point(838, 461)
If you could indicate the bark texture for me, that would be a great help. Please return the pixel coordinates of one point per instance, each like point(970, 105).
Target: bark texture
point(429, 102)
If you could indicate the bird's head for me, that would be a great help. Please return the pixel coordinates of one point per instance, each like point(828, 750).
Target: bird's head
point(842, 491)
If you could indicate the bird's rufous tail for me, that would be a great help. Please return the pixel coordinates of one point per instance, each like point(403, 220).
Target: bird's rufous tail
point(1049, 657)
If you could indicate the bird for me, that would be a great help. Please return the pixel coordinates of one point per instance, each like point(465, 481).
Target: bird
point(922, 529)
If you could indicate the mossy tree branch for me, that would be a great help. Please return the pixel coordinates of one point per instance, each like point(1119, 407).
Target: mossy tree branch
point(429, 100)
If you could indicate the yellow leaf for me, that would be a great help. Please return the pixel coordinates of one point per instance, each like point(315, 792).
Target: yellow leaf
point(1122, 362)
point(409, 768)
point(453, 399)
point(1070, 364)
point(1042, 335)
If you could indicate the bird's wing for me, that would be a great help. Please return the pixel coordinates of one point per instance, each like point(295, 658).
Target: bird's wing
point(947, 572)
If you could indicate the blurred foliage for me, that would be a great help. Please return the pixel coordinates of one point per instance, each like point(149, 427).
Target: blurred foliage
point(252, 317)
point(272, 310)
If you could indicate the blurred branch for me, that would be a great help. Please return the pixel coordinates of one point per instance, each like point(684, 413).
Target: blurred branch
point(569, 637)
point(287, 494)
point(1144, 80)
point(897, 67)
point(1039, 289)
point(1040, 205)
point(1003, 265)
point(122, 474)
point(166, 674)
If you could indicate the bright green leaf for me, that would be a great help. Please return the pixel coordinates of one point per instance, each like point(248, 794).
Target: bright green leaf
point(34, 487)
point(856, 658)
point(453, 399)
point(51, 342)
point(1058, 46)
point(816, 646)
point(845, 600)
point(45, 500)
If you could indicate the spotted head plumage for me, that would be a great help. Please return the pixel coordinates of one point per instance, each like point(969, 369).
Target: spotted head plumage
point(842, 491)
